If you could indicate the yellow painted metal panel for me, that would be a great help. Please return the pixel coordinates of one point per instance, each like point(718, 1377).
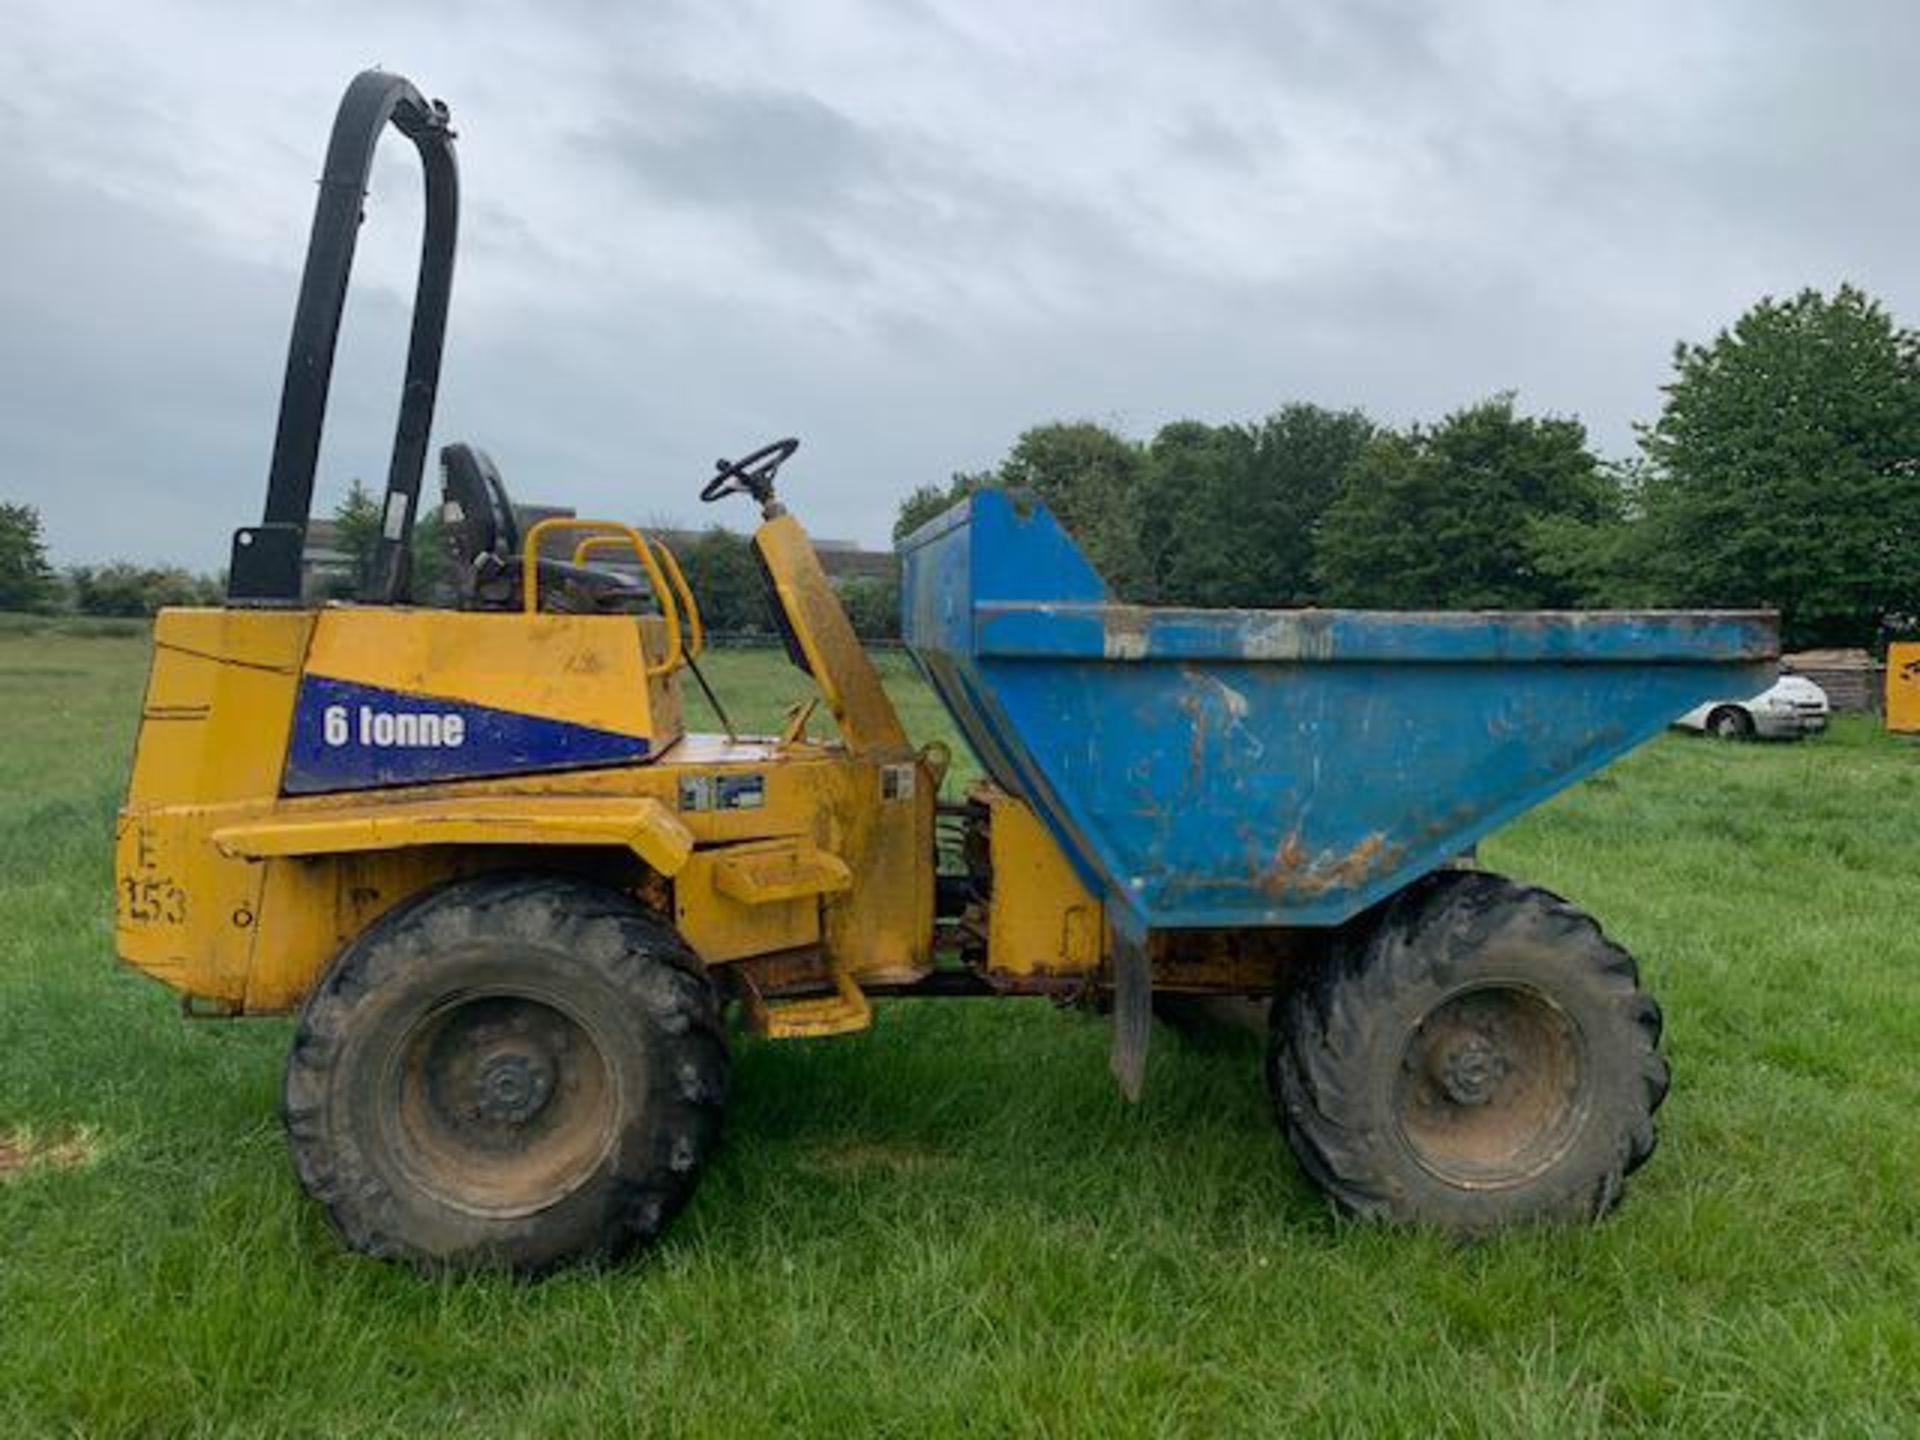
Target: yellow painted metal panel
point(304, 894)
point(583, 669)
point(879, 819)
point(769, 875)
point(183, 912)
point(643, 826)
point(1042, 920)
point(838, 660)
point(721, 927)
point(1903, 687)
point(311, 907)
point(219, 705)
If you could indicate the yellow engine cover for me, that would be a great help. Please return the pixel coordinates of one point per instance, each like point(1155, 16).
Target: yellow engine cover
point(402, 697)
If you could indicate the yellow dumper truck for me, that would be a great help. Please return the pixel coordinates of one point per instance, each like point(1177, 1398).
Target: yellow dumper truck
point(511, 897)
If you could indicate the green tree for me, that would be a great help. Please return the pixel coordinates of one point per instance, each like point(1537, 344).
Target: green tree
point(1450, 517)
point(1787, 468)
point(125, 589)
point(726, 580)
point(1301, 454)
point(26, 580)
point(356, 522)
point(357, 526)
point(1231, 511)
point(873, 605)
point(1193, 477)
point(930, 501)
point(1087, 475)
point(1608, 559)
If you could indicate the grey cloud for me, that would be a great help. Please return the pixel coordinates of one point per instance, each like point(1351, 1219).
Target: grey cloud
point(907, 237)
point(761, 149)
point(131, 364)
point(1205, 137)
point(1328, 48)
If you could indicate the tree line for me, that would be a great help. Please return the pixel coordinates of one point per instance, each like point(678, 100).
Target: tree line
point(1783, 471)
point(121, 587)
point(719, 565)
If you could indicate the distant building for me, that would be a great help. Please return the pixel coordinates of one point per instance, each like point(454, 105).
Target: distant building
point(842, 559)
point(845, 560)
point(325, 569)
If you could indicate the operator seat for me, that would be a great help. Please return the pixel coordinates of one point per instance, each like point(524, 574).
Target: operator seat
point(483, 535)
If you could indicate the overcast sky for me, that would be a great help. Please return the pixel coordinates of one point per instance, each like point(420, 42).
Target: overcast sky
point(906, 231)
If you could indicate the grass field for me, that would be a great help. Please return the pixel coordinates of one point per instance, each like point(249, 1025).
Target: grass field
point(952, 1225)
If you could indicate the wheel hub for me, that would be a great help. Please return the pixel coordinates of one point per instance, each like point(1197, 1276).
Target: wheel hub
point(506, 1104)
point(1493, 1086)
point(514, 1088)
point(1470, 1070)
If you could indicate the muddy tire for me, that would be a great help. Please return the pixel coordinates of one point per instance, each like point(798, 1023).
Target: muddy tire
point(1473, 1056)
point(507, 1073)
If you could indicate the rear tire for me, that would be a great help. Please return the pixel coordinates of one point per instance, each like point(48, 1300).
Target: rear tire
point(511, 1072)
point(1477, 1055)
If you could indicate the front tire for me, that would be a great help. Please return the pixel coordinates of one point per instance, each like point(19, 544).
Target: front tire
point(1730, 722)
point(1477, 1055)
point(508, 1073)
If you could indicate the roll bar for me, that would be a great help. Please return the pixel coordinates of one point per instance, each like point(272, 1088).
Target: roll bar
point(265, 569)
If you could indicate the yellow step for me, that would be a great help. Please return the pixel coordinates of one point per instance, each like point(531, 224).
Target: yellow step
point(841, 1013)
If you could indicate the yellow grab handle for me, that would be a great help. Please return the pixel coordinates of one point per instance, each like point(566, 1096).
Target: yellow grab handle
point(696, 630)
point(696, 645)
point(608, 529)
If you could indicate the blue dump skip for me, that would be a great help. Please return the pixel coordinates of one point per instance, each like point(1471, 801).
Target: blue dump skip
point(1280, 767)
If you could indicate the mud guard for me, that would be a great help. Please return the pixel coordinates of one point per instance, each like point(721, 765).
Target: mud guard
point(644, 826)
point(1132, 1009)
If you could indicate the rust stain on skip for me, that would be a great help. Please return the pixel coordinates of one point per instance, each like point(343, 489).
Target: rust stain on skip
point(1292, 854)
point(1294, 874)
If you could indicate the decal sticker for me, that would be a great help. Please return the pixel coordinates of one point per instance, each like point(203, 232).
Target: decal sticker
point(148, 895)
point(739, 792)
point(373, 725)
point(348, 736)
point(896, 782)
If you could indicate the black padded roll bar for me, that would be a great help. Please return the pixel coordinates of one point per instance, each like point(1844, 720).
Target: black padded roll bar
point(265, 570)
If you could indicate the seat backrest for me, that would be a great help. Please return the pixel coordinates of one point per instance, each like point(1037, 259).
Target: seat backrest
point(485, 524)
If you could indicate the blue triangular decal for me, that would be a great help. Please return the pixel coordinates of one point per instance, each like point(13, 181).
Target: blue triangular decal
point(348, 736)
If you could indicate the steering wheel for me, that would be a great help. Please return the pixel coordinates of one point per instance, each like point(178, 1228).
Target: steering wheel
point(750, 474)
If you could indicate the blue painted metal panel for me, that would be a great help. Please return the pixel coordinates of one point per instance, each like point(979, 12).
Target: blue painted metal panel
point(348, 736)
point(1235, 768)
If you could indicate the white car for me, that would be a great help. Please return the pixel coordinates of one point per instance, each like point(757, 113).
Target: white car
point(1793, 708)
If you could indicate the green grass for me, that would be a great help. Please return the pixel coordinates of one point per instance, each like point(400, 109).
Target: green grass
point(951, 1225)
